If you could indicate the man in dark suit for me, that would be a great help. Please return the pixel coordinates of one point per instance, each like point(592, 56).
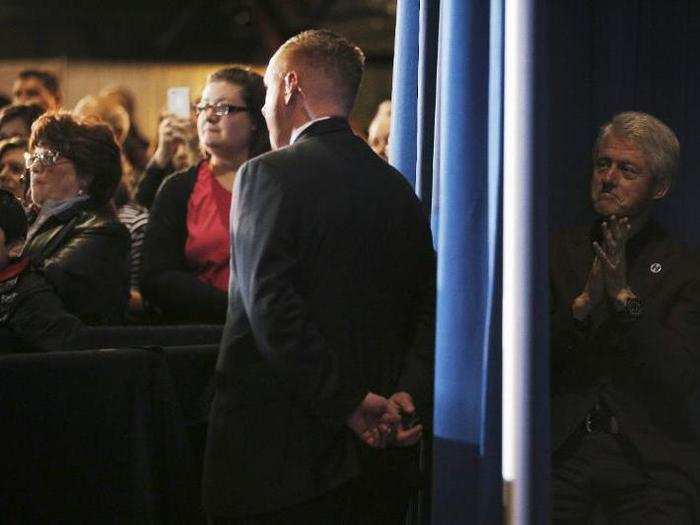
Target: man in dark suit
point(328, 344)
point(625, 343)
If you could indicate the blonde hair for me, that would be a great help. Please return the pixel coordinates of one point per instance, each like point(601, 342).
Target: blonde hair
point(106, 110)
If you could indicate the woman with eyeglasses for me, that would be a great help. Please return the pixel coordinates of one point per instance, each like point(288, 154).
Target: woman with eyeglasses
point(185, 265)
point(76, 241)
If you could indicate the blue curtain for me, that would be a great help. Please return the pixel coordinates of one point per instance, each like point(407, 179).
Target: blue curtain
point(446, 138)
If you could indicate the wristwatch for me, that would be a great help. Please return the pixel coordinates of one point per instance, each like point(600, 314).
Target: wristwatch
point(634, 308)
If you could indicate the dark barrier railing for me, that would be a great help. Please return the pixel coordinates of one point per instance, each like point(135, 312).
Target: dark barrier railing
point(104, 436)
point(159, 335)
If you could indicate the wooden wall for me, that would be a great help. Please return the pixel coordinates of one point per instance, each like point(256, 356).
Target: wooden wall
point(150, 80)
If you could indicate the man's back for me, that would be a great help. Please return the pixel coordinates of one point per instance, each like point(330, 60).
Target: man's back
point(332, 297)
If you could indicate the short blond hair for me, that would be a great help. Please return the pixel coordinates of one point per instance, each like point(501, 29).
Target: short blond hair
point(331, 56)
point(107, 110)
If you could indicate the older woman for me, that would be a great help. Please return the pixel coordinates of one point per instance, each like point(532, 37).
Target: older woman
point(185, 268)
point(76, 240)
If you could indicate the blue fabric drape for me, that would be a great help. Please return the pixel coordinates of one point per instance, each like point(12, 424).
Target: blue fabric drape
point(404, 91)
point(467, 375)
point(450, 149)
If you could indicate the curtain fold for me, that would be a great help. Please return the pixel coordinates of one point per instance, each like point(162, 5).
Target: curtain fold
point(404, 90)
point(450, 150)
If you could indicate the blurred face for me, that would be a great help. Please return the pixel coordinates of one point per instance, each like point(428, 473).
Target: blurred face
point(276, 110)
point(31, 91)
point(14, 128)
point(51, 180)
point(11, 171)
point(622, 184)
point(378, 136)
point(229, 134)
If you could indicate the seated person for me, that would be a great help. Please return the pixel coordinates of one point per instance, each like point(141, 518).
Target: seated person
point(76, 240)
point(16, 120)
point(379, 129)
point(185, 265)
point(135, 145)
point(32, 317)
point(177, 149)
point(12, 152)
point(34, 86)
point(131, 215)
point(625, 342)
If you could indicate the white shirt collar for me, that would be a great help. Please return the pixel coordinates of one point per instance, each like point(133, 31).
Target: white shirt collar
point(298, 131)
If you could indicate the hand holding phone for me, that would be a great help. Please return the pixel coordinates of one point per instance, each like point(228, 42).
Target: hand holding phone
point(179, 101)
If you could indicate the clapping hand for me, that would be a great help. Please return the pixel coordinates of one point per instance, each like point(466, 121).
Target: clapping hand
point(613, 257)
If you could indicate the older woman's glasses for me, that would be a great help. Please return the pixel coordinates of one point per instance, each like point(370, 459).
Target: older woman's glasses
point(220, 108)
point(47, 158)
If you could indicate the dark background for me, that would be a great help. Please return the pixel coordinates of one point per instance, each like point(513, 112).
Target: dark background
point(198, 30)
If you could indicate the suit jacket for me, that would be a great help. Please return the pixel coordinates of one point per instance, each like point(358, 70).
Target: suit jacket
point(332, 296)
point(645, 371)
point(83, 252)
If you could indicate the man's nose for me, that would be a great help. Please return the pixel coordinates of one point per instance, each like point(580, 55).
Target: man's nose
point(610, 175)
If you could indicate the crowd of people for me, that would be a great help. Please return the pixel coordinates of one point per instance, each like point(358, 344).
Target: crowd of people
point(267, 212)
point(122, 231)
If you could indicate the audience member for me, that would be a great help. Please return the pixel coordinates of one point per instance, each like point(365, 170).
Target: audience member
point(16, 119)
point(625, 342)
point(177, 149)
point(379, 128)
point(12, 168)
point(330, 329)
point(135, 145)
point(134, 217)
point(36, 86)
point(76, 240)
point(186, 249)
point(32, 316)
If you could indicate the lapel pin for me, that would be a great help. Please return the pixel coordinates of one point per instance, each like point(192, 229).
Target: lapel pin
point(655, 268)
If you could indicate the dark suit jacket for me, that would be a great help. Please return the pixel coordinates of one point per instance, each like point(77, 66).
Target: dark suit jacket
point(645, 371)
point(332, 296)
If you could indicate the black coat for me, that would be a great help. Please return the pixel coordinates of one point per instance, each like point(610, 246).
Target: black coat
point(83, 252)
point(645, 371)
point(333, 296)
point(32, 316)
point(167, 281)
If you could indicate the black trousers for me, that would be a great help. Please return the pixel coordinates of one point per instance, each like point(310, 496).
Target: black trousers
point(599, 478)
point(360, 502)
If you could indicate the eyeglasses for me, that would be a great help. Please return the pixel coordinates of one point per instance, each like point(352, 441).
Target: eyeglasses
point(220, 108)
point(46, 157)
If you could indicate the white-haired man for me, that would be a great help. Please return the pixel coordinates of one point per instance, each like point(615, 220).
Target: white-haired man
point(625, 343)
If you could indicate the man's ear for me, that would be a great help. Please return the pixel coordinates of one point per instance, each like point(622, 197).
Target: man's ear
point(662, 187)
point(291, 85)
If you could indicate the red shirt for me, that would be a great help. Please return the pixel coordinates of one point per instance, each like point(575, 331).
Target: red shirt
point(208, 242)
